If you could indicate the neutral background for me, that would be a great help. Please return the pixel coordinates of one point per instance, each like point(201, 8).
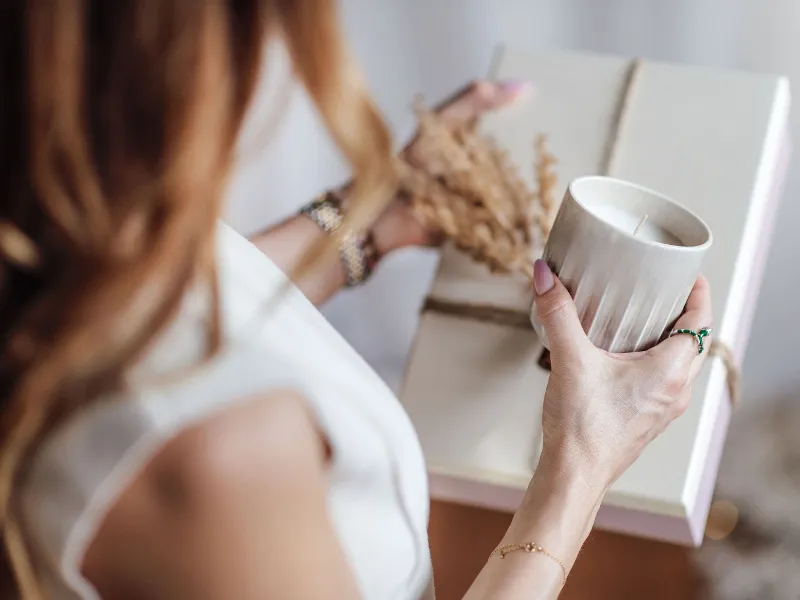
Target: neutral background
point(431, 47)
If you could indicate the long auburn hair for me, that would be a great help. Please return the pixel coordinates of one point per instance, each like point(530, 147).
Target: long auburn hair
point(118, 122)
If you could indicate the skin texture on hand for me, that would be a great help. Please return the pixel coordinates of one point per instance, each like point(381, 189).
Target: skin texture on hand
point(602, 409)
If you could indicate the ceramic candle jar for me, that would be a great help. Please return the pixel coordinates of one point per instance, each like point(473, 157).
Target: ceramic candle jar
point(629, 256)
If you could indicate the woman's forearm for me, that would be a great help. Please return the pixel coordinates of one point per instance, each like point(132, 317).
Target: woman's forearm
point(286, 242)
point(557, 514)
point(398, 227)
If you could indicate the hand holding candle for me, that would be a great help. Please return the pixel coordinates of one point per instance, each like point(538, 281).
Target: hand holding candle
point(629, 257)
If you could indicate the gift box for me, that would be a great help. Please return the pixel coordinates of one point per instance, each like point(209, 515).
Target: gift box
point(715, 141)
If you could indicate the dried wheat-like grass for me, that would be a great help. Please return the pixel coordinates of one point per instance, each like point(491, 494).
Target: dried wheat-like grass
point(546, 181)
point(470, 192)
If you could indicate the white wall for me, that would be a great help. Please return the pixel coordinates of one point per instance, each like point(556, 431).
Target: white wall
point(434, 46)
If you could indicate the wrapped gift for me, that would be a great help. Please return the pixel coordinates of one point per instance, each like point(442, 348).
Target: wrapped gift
point(716, 141)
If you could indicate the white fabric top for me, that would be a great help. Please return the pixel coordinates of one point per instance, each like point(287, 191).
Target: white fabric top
point(378, 497)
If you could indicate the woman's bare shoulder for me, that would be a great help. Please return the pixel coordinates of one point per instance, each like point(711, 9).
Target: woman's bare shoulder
point(242, 484)
point(272, 433)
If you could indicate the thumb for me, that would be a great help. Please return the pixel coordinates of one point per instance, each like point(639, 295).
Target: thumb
point(556, 311)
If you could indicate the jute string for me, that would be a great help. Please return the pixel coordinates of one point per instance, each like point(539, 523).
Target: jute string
point(488, 313)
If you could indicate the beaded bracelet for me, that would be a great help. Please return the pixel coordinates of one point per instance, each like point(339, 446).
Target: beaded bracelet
point(357, 250)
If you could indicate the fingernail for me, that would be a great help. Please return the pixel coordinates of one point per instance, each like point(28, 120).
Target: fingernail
point(517, 86)
point(543, 280)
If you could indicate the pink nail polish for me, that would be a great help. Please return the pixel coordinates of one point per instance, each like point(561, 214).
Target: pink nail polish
point(516, 86)
point(543, 280)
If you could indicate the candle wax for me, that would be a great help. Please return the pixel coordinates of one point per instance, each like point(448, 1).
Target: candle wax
point(626, 221)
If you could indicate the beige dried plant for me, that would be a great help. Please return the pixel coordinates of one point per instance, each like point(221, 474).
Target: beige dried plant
point(546, 182)
point(471, 193)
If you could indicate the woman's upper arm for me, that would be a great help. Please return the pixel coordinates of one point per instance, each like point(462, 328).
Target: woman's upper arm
point(234, 508)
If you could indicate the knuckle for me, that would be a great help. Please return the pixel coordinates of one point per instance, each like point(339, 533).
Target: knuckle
point(675, 381)
point(680, 405)
point(673, 385)
point(673, 367)
point(669, 382)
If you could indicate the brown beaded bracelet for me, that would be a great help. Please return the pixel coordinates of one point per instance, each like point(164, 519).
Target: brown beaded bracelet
point(357, 251)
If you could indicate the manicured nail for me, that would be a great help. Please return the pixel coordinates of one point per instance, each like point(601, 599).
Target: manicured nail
point(517, 86)
point(543, 280)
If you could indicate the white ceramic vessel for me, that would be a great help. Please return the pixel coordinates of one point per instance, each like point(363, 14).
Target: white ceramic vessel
point(629, 285)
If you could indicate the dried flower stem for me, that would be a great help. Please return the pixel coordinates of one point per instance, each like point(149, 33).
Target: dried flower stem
point(477, 198)
point(546, 180)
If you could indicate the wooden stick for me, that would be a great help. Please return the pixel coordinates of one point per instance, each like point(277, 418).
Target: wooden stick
point(639, 226)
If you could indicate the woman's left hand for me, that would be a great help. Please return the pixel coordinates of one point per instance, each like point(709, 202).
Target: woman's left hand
point(398, 227)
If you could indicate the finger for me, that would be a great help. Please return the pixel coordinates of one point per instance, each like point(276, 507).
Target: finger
point(700, 297)
point(479, 97)
point(556, 312)
point(697, 314)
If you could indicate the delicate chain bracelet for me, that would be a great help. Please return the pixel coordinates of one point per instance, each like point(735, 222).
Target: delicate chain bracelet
point(530, 547)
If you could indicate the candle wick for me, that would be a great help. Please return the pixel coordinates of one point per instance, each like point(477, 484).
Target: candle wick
point(639, 226)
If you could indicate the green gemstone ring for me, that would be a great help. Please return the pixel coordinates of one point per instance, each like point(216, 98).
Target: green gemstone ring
point(698, 335)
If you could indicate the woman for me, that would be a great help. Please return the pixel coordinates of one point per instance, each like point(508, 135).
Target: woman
point(178, 421)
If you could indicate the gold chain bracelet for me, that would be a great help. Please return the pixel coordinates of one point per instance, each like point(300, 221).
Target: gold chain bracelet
point(530, 547)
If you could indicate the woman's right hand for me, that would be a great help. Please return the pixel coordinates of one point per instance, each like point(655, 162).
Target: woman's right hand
point(602, 409)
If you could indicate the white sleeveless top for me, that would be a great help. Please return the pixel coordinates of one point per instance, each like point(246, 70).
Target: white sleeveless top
point(378, 497)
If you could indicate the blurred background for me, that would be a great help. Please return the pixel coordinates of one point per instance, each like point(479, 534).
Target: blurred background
point(432, 47)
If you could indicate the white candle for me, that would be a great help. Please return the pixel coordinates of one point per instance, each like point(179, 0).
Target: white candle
point(629, 286)
point(628, 223)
